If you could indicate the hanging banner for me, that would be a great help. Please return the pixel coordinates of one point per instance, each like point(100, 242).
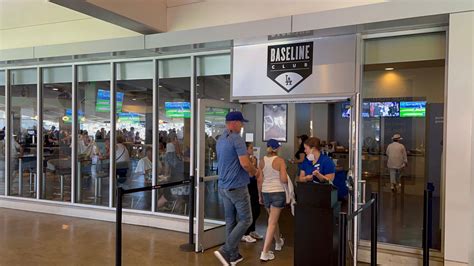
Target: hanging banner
point(309, 68)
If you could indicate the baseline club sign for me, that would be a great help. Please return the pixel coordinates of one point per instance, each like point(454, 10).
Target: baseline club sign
point(319, 67)
point(289, 64)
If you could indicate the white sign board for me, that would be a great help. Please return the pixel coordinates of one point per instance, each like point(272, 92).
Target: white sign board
point(298, 69)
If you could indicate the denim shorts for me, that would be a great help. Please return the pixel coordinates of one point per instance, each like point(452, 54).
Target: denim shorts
point(275, 199)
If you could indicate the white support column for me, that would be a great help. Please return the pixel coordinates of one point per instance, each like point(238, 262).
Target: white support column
point(459, 230)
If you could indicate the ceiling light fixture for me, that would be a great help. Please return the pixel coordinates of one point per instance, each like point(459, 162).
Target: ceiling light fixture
point(55, 89)
point(134, 99)
point(389, 68)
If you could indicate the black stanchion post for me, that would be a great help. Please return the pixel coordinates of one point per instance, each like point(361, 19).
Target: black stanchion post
point(189, 247)
point(342, 238)
point(426, 248)
point(373, 232)
point(118, 228)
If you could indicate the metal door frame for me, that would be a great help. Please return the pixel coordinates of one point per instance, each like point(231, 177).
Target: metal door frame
point(206, 238)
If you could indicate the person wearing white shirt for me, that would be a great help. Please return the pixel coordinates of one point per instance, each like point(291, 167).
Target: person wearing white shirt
point(397, 160)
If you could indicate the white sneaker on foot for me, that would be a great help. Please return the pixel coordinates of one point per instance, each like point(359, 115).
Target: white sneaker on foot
point(279, 245)
point(255, 235)
point(266, 256)
point(248, 239)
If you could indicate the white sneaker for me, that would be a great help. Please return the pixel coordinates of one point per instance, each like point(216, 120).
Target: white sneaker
point(267, 256)
point(255, 235)
point(248, 239)
point(279, 245)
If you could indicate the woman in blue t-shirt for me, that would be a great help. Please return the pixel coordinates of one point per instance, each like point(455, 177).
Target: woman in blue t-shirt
point(316, 167)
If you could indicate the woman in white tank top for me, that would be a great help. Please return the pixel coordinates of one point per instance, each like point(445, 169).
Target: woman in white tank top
point(270, 177)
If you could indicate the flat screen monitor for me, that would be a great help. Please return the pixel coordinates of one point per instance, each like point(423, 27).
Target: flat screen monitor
point(129, 118)
point(103, 101)
point(384, 109)
point(413, 109)
point(67, 118)
point(346, 111)
point(178, 109)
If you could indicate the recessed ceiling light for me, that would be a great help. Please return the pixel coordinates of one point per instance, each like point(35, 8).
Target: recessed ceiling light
point(389, 68)
point(197, 85)
point(55, 89)
point(160, 86)
point(134, 99)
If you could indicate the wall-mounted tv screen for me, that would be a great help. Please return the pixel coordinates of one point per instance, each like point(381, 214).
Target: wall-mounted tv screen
point(346, 111)
point(384, 109)
point(103, 101)
point(68, 116)
point(413, 109)
point(129, 118)
point(178, 109)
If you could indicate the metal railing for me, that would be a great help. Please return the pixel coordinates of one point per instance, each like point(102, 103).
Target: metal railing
point(344, 218)
point(118, 221)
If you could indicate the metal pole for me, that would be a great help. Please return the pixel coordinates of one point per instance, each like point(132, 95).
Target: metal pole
point(118, 228)
point(40, 178)
point(191, 211)
point(342, 238)
point(8, 132)
point(373, 232)
point(112, 140)
point(426, 249)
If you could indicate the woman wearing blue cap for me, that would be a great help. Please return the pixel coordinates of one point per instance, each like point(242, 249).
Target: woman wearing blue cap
point(271, 177)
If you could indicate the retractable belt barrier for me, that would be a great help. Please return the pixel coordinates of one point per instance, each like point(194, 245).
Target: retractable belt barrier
point(344, 218)
point(118, 220)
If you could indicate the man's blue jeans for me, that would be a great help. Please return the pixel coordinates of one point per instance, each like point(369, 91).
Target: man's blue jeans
point(238, 218)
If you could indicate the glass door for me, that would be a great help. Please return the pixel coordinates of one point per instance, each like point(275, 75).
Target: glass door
point(355, 200)
point(210, 230)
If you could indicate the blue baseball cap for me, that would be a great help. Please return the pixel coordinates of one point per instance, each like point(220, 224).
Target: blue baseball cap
point(274, 144)
point(235, 116)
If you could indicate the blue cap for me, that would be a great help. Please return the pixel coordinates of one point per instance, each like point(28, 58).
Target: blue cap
point(274, 144)
point(235, 116)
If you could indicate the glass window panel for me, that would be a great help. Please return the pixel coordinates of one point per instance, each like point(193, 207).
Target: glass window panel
point(213, 82)
point(57, 133)
point(405, 98)
point(24, 122)
point(175, 68)
point(134, 92)
point(174, 93)
point(2, 132)
point(93, 102)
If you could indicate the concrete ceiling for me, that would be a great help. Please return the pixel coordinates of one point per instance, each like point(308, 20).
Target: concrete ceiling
point(27, 13)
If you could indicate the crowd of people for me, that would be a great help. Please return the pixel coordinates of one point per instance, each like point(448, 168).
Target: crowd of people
point(244, 186)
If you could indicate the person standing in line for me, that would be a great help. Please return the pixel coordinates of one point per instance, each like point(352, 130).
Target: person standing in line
point(271, 177)
point(235, 167)
point(251, 236)
point(397, 160)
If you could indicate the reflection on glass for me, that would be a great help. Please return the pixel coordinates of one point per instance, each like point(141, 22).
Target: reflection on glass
point(2, 132)
point(213, 82)
point(57, 134)
point(134, 154)
point(215, 126)
point(408, 101)
point(174, 137)
point(24, 120)
point(93, 100)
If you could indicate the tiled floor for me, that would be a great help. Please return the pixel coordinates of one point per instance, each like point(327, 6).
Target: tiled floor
point(39, 239)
